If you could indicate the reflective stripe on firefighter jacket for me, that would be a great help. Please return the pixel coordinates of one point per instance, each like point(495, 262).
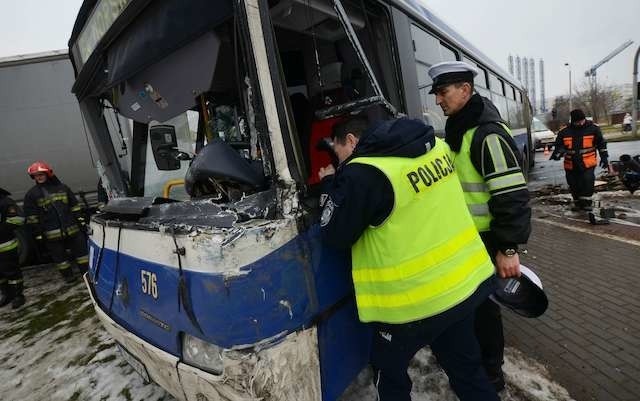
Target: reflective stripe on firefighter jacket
point(9, 245)
point(52, 210)
point(478, 189)
point(10, 219)
point(427, 256)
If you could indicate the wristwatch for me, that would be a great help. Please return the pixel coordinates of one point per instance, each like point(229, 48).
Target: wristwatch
point(509, 252)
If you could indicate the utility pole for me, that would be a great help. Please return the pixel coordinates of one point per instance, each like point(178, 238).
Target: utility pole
point(532, 77)
point(570, 96)
point(543, 104)
point(634, 123)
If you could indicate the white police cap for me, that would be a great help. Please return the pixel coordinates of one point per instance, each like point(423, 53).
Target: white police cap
point(449, 72)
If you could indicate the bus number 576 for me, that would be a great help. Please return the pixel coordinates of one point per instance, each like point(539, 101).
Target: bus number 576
point(149, 283)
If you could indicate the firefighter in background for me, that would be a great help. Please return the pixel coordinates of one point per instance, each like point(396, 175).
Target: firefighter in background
point(55, 215)
point(10, 273)
point(578, 143)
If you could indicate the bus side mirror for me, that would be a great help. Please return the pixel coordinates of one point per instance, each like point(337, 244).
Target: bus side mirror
point(164, 146)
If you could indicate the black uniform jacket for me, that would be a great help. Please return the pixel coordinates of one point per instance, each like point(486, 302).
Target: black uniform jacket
point(576, 133)
point(511, 224)
point(10, 217)
point(51, 206)
point(360, 195)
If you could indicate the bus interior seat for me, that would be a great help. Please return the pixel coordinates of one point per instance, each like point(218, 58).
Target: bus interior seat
point(320, 129)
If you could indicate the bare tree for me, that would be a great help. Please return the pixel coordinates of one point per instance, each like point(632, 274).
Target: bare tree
point(598, 100)
point(561, 107)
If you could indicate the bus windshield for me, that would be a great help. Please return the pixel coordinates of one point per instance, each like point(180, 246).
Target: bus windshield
point(178, 115)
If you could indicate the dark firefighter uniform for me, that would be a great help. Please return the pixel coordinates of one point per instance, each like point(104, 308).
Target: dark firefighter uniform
point(10, 274)
point(418, 265)
point(489, 167)
point(579, 144)
point(55, 215)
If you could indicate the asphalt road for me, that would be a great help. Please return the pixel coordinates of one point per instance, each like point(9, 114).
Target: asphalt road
point(547, 172)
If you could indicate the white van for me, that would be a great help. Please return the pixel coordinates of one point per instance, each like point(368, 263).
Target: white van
point(542, 136)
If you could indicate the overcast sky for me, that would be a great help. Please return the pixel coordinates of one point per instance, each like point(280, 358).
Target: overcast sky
point(580, 32)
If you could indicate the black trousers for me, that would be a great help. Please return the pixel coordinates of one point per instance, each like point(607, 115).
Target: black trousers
point(581, 183)
point(453, 344)
point(490, 335)
point(10, 266)
point(79, 256)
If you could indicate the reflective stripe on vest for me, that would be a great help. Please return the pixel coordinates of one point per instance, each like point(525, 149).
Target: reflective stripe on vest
point(9, 245)
point(587, 151)
point(427, 256)
point(477, 189)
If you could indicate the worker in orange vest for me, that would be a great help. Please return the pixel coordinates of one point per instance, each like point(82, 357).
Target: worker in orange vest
point(578, 143)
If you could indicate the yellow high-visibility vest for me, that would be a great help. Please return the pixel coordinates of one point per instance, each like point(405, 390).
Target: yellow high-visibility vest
point(477, 190)
point(427, 256)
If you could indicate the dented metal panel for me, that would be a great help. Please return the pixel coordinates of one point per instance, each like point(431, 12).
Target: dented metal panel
point(266, 90)
point(288, 370)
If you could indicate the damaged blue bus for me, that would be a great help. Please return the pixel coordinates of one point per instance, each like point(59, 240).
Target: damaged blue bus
point(209, 119)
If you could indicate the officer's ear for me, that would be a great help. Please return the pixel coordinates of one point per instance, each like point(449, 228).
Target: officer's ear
point(351, 139)
point(468, 87)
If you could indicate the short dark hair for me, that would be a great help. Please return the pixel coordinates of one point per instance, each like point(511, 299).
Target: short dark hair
point(458, 84)
point(352, 125)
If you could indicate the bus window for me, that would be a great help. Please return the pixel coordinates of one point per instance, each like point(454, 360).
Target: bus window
point(480, 82)
point(156, 178)
point(447, 54)
point(429, 51)
point(481, 79)
point(495, 85)
point(322, 69)
point(426, 47)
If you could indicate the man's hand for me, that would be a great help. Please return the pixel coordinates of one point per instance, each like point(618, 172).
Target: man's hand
point(326, 171)
point(507, 266)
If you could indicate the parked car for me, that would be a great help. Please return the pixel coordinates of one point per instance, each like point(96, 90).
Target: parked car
point(542, 135)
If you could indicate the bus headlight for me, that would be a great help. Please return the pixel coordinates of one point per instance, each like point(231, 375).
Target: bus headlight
point(201, 354)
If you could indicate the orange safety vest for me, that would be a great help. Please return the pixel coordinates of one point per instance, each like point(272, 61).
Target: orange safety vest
point(586, 150)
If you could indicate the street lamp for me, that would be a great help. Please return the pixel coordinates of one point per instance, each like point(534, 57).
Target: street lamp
point(634, 108)
point(570, 96)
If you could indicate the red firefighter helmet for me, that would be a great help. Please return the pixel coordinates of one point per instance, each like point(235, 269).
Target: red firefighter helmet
point(40, 167)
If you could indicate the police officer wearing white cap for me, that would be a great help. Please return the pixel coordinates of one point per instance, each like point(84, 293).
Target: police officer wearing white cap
point(489, 167)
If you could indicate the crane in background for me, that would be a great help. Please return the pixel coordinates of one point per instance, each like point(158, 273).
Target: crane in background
point(591, 75)
point(591, 72)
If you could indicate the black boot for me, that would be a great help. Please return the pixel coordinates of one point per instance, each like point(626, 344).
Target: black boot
point(82, 268)
point(576, 207)
point(7, 294)
point(18, 299)
point(67, 275)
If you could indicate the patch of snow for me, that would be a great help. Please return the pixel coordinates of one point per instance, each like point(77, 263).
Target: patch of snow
point(526, 380)
point(54, 348)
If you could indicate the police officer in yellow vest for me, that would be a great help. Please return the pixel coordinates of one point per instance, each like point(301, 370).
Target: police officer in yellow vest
point(487, 161)
point(419, 267)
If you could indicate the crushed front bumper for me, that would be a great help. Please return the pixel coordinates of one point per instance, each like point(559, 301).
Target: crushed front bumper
point(283, 368)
